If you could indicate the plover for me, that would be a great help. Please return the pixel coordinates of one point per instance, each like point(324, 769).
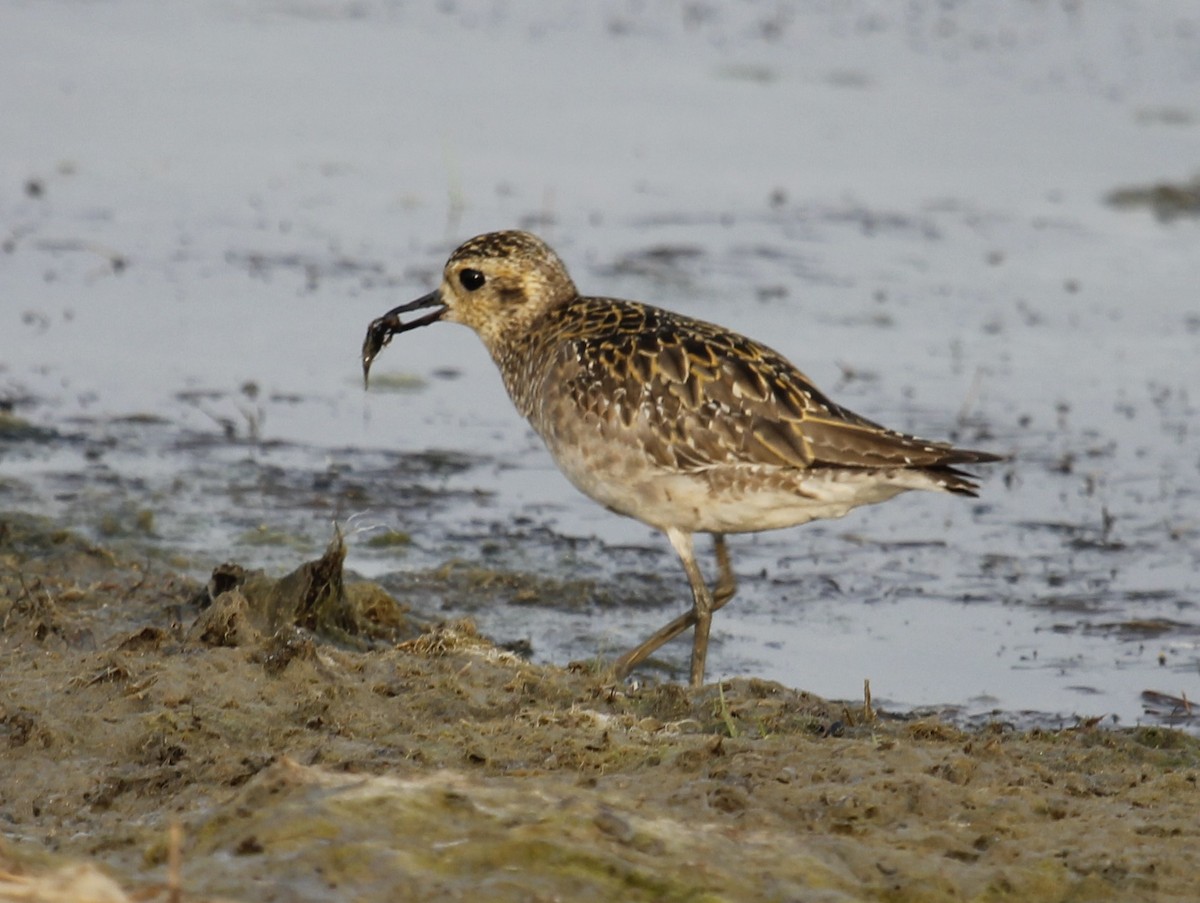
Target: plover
point(681, 424)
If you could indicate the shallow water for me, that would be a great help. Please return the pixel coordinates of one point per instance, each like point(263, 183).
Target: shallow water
point(202, 216)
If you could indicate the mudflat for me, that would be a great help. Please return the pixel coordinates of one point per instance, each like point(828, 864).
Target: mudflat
point(312, 738)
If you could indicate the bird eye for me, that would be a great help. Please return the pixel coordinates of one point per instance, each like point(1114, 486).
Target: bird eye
point(471, 279)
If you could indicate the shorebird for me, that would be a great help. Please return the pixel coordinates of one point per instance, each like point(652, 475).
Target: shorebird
point(678, 423)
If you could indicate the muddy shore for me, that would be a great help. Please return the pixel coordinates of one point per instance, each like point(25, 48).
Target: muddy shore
point(315, 739)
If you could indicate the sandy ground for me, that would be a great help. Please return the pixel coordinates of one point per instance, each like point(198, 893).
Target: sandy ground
point(318, 741)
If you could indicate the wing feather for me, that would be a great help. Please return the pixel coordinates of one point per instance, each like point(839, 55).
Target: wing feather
point(696, 397)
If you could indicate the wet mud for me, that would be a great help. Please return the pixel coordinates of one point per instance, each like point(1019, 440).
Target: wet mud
point(312, 738)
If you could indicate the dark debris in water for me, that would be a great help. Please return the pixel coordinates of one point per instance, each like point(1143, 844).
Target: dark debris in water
point(13, 430)
point(662, 263)
point(1173, 711)
point(1145, 628)
point(1166, 200)
point(263, 264)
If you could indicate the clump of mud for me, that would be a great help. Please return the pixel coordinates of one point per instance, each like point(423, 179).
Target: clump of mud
point(244, 606)
point(312, 738)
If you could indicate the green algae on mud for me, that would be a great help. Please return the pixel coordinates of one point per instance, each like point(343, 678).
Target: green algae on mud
point(316, 740)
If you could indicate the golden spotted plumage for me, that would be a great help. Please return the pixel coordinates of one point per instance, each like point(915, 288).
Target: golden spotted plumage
point(674, 421)
point(700, 397)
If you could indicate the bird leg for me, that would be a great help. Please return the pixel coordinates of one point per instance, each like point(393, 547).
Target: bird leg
point(724, 590)
point(726, 584)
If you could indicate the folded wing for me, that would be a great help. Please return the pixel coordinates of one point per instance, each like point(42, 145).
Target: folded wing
point(697, 397)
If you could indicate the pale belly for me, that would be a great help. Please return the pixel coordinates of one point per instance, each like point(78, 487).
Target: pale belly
point(724, 499)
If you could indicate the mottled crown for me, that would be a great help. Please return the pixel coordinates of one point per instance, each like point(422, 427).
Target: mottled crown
point(503, 245)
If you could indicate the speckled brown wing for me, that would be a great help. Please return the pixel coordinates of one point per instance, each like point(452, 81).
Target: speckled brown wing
point(698, 397)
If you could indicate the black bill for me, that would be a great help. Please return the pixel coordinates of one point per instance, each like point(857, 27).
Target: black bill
point(380, 332)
